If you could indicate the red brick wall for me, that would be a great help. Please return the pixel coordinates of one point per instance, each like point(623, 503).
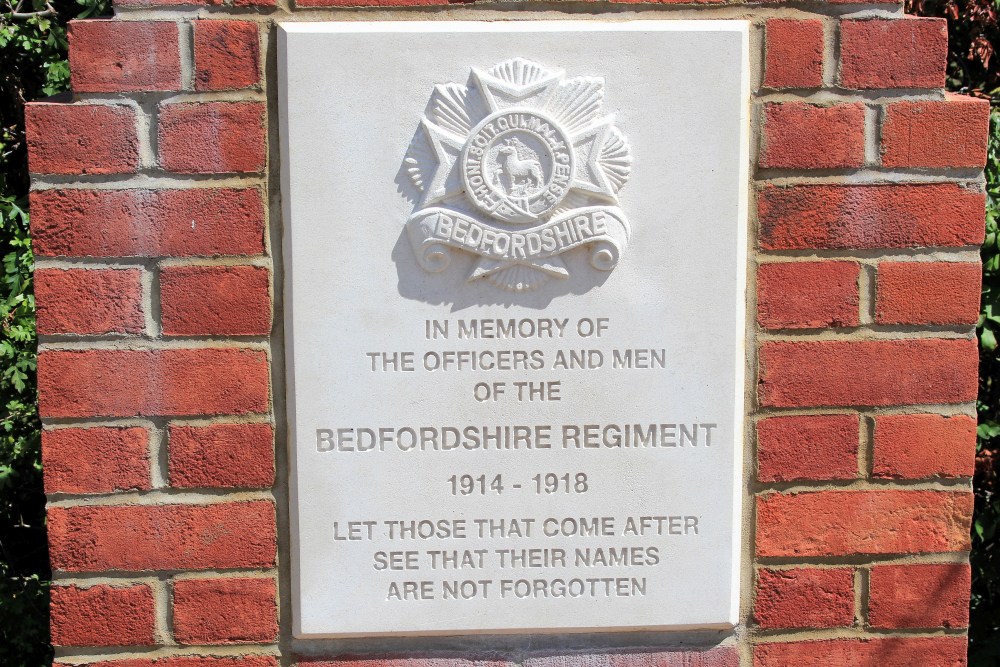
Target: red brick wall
point(153, 229)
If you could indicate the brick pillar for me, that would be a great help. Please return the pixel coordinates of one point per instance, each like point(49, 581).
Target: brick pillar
point(154, 287)
point(159, 370)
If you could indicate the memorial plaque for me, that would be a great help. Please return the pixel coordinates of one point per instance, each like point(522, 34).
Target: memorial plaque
point(515, 258)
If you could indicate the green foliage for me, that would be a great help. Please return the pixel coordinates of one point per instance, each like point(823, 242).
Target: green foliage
point(32, 64)
point(984, 630)
point(23, 561)
point(989, 320)
point(973, 42)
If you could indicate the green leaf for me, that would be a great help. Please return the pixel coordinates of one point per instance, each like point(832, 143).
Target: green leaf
point(988, 429)
point(987, 340)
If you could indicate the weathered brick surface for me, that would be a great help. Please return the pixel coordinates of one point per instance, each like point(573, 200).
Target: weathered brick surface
point(797, 135)
point(794, 53)
point(804, 598)
point(843, 523)
point(124, 56)
point(89, 301)
point(869, 216)
point(225, 611)
point(919, 596)
point(929, 133)
point(95, 460)
point(102, 616)
point(928, 293)
point(93, 139)
point(222, 455)
point(185, 661)
point(147, 223)
point(807, 447)
point(807, 295)
point(890, 652)
point(897, 53)
point(923, 445)
point(212, 137)
point(226, 55)
point(162, 537)
point(123, 383)
point(215, 300)
point(835, 373)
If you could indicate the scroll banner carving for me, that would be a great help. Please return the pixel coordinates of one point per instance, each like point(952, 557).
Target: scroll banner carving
point(518, 166)
point(433, 231)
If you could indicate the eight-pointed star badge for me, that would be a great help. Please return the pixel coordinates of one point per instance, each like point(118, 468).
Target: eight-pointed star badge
point(518, 167)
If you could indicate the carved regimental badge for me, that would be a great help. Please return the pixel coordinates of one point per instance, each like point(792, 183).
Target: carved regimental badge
point(518, 167)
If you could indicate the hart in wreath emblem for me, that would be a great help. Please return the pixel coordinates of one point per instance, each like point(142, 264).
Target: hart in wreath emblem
point(516, 169)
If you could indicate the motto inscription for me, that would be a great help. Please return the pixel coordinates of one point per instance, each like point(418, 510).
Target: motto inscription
point(531, 148)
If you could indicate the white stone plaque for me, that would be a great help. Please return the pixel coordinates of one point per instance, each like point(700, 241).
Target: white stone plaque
point(515, 259)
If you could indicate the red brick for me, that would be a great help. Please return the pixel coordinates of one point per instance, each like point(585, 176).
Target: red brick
point(225, 611)
point(212, 137)
point(920, 446)
point(794, 56)
point(95, 460)
point(129, 383)
point(919, 596)
point(807, 295)
point(81, 138)
point(222, 455)
point(929, 133)
point(226, 55)
point(948, 651)
point(797, 135)
point(805, 598)
point(724, 656)
point(868, 372)
point(843, 523)
point(215, 300)
point(102, 616)
point(928, 293)
point(108, 56)
point(136, 538)
point(185, 660)
point(870, 216)
point(807, 447)
point(147, 223)
point(897, 53)
point(89, 301)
